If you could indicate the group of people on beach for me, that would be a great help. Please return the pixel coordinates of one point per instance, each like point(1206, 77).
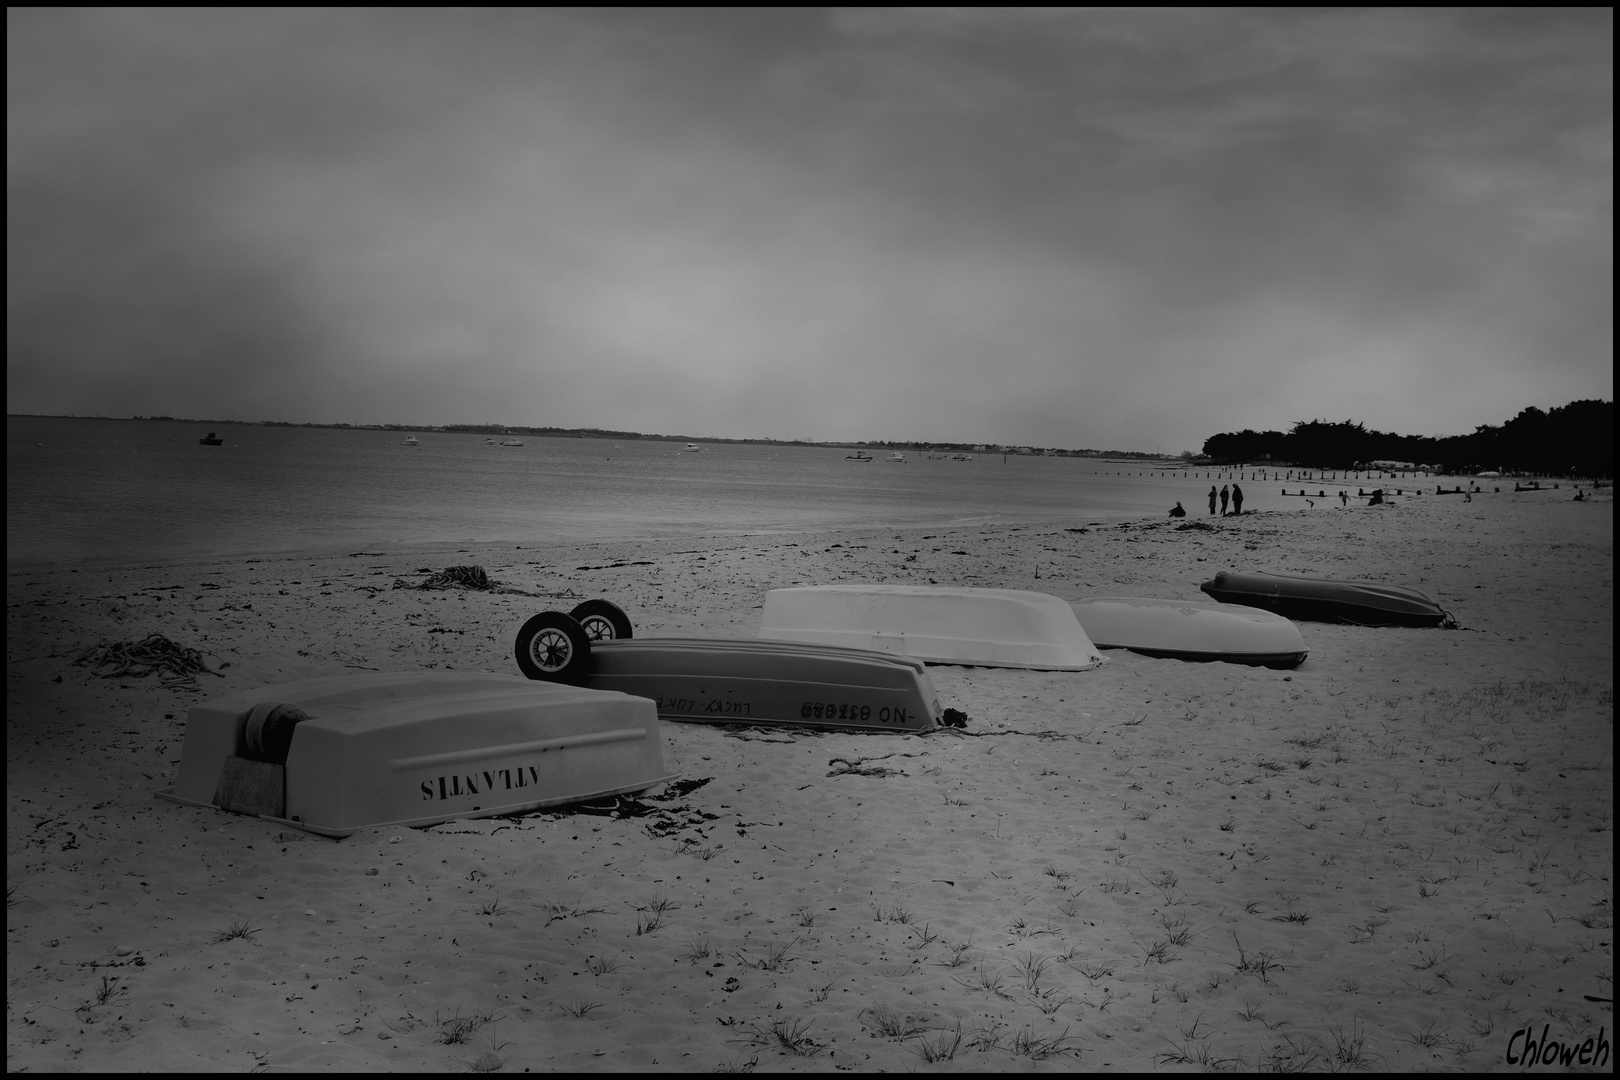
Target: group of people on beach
point(1232, 495)
point(1235, 495)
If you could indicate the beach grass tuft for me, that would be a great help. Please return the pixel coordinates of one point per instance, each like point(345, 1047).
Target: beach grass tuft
point(459, 1029)
point(789, 1034)
point(774, 957)
point(889, 1024)
point(942, 1048)
point(237, 929)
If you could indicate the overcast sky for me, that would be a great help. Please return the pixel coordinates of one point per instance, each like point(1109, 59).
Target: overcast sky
point(1126, 229)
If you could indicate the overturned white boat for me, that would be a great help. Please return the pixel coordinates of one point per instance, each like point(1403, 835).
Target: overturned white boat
point(1196, 630)
point(939, 625)
point(338, 754)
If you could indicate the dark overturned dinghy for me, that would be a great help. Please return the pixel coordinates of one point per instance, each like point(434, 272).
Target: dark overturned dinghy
point(741, 681)
point(339, 754)
point(1360, 603)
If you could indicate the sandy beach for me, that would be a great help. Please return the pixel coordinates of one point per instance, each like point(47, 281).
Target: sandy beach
point(1398, 855)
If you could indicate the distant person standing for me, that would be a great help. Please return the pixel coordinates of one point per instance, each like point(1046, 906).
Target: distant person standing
point(1212, 498)
point(1344, 499)
point(1226, 493)
point(1237, 499)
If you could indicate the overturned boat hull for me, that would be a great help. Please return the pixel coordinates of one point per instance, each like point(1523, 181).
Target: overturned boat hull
point(1362, 603)
point(939, 625)
point(355, 751)
point(768, 682)
point(1196, 630)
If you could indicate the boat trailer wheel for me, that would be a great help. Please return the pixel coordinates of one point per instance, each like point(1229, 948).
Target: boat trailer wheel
point(602, 620)
point(554, 647)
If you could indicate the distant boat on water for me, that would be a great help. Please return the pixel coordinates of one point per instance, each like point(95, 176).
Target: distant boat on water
point(511, 442)
point(859, 455)
point(898, 457)
point(410, 440)
point(691, 448)
point(210, 440)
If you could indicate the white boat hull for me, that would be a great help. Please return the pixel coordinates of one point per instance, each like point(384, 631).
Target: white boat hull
point(1196, 630)
point(420, 748)
point(978, 627)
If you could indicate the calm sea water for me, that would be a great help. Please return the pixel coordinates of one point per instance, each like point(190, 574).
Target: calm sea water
point(95, 491)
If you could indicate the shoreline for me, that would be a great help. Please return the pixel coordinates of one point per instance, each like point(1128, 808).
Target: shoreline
point(404, 549)
point(1153, 863)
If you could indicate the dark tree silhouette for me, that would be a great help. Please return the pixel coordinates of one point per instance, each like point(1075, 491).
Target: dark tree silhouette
point(1573, 440)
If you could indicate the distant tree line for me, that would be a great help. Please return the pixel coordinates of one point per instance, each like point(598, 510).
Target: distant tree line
point(1576, 439)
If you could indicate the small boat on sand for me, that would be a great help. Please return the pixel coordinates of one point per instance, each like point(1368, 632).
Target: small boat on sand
point(1196, 630)
point(936, 624)
point(1362, 603)
point(343, 753)
point(742, 681)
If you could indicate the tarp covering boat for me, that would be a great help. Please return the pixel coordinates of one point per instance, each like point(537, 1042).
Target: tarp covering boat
point(940, 625)
point(1198, 630)
point(762, 682)
point(1363, 603)
point(338, 754)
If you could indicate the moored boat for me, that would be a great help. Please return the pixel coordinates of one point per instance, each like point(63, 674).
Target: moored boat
point(691, 448)
point(410, 440)
point(1196, 630)
point(338, 754)
point(936, 624)
point(210, 440)
point(1363, 603)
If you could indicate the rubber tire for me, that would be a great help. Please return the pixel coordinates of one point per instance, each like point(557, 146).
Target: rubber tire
point(268, 732)
point(564, 649)
point(603, 620)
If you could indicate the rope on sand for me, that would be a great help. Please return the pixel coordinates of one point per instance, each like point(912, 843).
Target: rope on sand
point(177, 665)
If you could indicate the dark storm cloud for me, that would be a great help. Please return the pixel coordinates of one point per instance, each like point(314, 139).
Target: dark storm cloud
point(1064, 228)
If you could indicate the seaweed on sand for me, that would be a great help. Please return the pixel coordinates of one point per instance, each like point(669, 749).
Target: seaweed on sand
point(461, 577)
point(176, 664)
